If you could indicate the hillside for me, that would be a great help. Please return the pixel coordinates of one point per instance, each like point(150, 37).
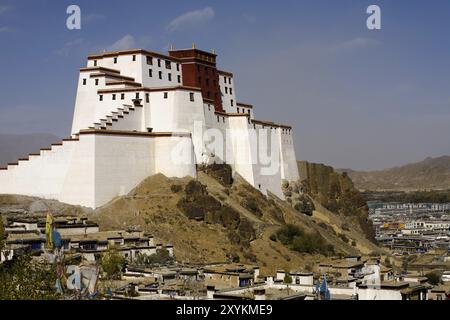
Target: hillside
point(431, 173)
point(14, 146)
point(211, 219)
point(335, 192)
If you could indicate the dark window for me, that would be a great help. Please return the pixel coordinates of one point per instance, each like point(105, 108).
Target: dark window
point(114, 97)
point(147, 98)
point(169, 76)
point(122, 96)
point(179, 78)
point(101, 97)
point(238, 110)
point(248, 111)
point(232, 102)
point(231, 90)
point(166, 95)
point(159, 62)
point(208, 94)
point(178, 67)
point(217, 118)
point(225, 79)
point(96, 82)
point(191, 96)
point(84, 82)
point(160, 74)
point(168, 65)
point(95, 63)
point(137, 95)
point(226, 89)
point(223, 119)
point(150, 73)
point(115, 59)
point(134, 57)
point(149, 60)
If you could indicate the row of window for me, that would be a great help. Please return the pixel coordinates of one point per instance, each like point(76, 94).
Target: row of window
point(147, 96)
point(243, 110)
point(227, 80)
point(206, 81)
point(167, 63)
point(160, 75)
point(228, 90)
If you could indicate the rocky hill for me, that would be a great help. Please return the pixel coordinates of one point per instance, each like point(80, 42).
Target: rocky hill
point(335, 191)
point(216, 218)
point(429, 174)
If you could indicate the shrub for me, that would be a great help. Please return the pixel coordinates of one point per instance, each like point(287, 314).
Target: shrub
point(273, 237)
point(252, 206)
point(161, 256)
point(344, 238)
point(175, 188)
point(112, 264)
point(303, 242)
point(287, 278)
point(434, 278)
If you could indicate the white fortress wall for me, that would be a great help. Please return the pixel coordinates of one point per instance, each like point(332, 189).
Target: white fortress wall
point(289, 168)
point(268, 167)
point(177, 113)
point(121, 163)
point(241, 138)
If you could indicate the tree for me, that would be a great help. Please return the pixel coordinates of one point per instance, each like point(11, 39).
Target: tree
point(434, 278)
point(2, 233)
point(26, 279)
point(287, 278)
point(162, 256)
point(112, 263)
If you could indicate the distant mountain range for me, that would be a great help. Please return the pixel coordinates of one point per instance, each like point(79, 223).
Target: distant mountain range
point(14, 146)
point(431, 173)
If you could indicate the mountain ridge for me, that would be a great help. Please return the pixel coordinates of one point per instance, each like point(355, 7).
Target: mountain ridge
point(428, 174)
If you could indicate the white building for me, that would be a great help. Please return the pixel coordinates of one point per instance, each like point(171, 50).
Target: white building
point(139, 113)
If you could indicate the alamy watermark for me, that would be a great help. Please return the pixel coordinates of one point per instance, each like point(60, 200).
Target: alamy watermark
point(73, 21)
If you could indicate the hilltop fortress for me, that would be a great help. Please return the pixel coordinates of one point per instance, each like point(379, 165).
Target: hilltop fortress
point(139, 113)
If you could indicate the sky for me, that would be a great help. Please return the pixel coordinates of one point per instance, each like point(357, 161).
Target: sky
point(356, 98)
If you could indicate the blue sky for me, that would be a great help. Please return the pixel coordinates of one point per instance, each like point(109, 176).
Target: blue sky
point(356, 98)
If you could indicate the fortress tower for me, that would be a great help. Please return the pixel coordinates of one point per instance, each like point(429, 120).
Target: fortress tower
point(139, 113)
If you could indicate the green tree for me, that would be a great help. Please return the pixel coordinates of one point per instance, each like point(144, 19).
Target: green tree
point(287, 278)
point(2, 233)
point(112, 263)
point(434, 278)
point(161, 256)
point(26, 279)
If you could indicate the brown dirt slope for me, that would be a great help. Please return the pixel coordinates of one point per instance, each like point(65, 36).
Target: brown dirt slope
point(236, 227)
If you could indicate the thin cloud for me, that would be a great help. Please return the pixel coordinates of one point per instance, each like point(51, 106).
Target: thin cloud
point(129, 42)
point(4, 9)
point(355, 44)
point(5, 29)
point(92, 17)
point(191, 19)
point(69, 47)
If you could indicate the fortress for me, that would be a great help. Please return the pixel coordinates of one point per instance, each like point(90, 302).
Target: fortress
point(139, 113)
